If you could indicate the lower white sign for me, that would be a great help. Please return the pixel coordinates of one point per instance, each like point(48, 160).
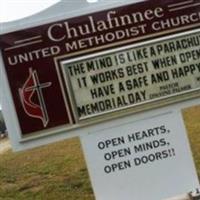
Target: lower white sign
point(147, 159)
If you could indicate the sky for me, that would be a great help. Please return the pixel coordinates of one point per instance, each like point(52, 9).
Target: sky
point(16, 9)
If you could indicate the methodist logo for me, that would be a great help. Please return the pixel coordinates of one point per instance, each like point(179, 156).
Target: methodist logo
point(32, 98)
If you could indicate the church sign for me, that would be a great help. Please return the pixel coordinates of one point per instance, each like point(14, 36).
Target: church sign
point(83, 70)
point(118, 78)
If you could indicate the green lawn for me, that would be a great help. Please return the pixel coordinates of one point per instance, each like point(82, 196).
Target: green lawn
point(58, 171)
point(53, 172)
point(192, 121)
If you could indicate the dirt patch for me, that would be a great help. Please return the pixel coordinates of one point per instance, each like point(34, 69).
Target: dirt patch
point(4, 145)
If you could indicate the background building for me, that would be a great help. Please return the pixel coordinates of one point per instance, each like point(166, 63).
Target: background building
point(2, 123)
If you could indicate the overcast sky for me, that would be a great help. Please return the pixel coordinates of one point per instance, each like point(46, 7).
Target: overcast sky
point(17, 9)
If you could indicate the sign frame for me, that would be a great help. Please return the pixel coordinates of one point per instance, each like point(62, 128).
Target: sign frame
point(21, 142)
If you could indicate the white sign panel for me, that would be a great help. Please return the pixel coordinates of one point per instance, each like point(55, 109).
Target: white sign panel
point(147, 159)
point(135, 76)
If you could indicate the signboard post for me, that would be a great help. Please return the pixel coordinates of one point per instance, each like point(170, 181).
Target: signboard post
point(146, 159)
point(118, 78)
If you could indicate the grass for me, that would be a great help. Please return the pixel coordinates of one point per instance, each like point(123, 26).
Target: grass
point(192, 122)
point(58, 171)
